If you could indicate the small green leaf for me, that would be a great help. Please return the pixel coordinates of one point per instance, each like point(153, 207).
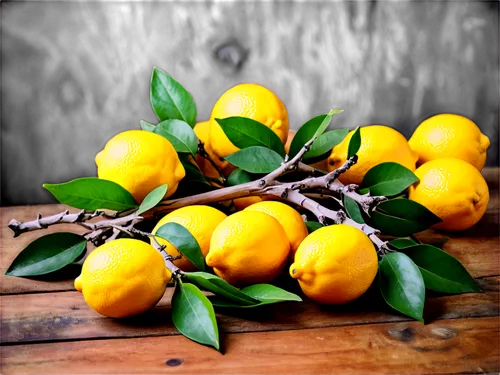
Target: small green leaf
point(244, 132)
point(353, 210)
point(402, 217)
point(184, 241)
point(193, 173)
point(441, 272)
point(193, 315)
point(170, 100)
point(152, 199)
point(402, 285)
point(92, 193)
point(326, 121)
point(304, 134)
point(48, 254)
point(265, 293)
point(256, 159)
point(312, 226)
point(322, 146)
point(354, 143)
point(180, 135)
point(238, 177)
point(146, 126)
point(401, 243)
point(388, 179)
point(219, 287)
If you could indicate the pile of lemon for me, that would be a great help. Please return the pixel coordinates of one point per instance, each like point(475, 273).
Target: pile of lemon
point(335, 264)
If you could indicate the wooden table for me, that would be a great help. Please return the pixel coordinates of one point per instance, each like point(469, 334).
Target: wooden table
point(46, 327)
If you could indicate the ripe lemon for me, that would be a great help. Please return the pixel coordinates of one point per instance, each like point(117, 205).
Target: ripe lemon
point(200, 221)
point(251, 101)
point(448, 135)
point(335, 264)
point(379, 144)
point(140, 161)
point(123, 277)
point(452, 189)
point(241, 203)
point(290, 220)
point(248, 248)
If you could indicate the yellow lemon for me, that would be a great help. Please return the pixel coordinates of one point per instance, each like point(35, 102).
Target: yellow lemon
point(248, 248)
point(123, 277)
point(290, 220)
point(449, 135)
point(452, 189)
point(379, 144)
point(200, 221)
point(335, 264)
point(140, 161)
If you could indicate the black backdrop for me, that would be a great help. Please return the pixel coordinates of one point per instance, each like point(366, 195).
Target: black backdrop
point(76, 73)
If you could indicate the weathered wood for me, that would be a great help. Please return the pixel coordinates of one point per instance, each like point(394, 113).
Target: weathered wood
point(451, 346)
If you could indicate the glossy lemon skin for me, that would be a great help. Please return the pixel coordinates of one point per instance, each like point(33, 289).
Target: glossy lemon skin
point(335, 264)
point(200, 221)
point(379, 144)
point(140, 161)
point(248, 248)
point(123, 277)
point(450, 135)
point(452, 189)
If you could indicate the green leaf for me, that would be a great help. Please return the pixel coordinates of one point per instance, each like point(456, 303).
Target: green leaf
point(402, 285)
point(184, 241)
point(170, 100)
point(265, 293)
point(388, 179)
point(304, 134)
point(193, 173)
point(244, 132)
point(401, 243)
point(441, 272)
point(354, 143)
point(324, 144)
point(92, 193)
point(152, 199)
point(353, 210)
point(238, 177)
point(193, 315)
point(402, 217)
point(180, 135)
point(256, 159)
point(219, 287)
point(146, 126)
point(312, 226)
point(48, 254)
point(326, 121)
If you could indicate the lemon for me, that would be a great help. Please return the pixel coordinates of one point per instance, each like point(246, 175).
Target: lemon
point(452, 189)
point(290, 220)
point(248, 248)
point(335, 264)
point(140, 161)
point(123, 277)
point(449, 135)
point(241, 203)
point(379, 144)
point(200, 221)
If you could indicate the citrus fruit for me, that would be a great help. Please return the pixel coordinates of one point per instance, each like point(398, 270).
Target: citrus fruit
point(335, 264)
point(452, 189)
point(449, 135)
point(200, 221)
point(123, 277)
point(248, 248)
point(241, 203)
point(379, 144)
point(290, 220)
point(140, 161)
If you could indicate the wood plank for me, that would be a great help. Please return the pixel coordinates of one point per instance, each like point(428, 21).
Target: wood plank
point(451, 346)
point(65, 315)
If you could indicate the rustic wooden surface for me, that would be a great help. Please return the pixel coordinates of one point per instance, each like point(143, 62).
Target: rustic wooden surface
point(46, 327)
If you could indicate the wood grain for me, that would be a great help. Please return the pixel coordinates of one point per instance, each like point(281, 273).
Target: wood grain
point(451, 346)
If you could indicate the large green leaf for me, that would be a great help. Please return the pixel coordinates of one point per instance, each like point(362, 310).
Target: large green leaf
point(256, 159)
point(152, 199)
point(312, 226)
point(402, 285)
point(353, 210)
point(388, 179)
point(326, 121)
point(354, 143)
point(219, 287)
point(304, 134)
point(244, 132)
point(401, 243)
point(322, 146)
point(193, 315)
point(147, 126)
point(238, 177)
point(441, 271)
point(265, 293)
point(92, 193)
point(180, 135)
point(184, 241)
point(170, 100)
point(48, 254)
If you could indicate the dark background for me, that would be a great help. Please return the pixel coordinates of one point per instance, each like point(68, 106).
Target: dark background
point(76, 73)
